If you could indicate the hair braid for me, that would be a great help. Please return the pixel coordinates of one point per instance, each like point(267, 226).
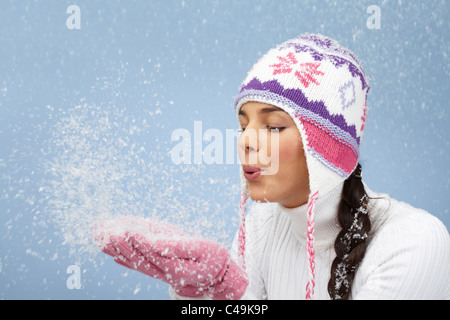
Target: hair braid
point(350, 244)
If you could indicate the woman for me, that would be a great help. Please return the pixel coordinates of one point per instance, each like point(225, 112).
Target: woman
point(314, 229)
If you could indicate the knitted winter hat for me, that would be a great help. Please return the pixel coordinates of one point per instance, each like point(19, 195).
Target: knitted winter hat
point(323, 87)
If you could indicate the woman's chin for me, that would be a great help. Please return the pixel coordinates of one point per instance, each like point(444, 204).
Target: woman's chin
point(259, 196)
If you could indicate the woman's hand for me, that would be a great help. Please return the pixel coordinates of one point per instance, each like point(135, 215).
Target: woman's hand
point(194, 267)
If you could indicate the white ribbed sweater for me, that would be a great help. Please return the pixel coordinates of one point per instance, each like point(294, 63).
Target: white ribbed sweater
point(408, 256)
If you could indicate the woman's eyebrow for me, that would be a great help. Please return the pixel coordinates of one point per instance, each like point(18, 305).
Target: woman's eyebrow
point(270, 109)
point(263, 110)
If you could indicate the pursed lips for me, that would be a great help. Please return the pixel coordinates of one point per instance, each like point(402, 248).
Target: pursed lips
point(251, 172)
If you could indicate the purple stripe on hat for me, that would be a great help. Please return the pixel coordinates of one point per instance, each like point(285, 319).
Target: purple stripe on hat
point(328, 44)
point(297, 97)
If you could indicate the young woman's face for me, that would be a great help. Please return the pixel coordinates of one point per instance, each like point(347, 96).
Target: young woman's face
point(271, 152)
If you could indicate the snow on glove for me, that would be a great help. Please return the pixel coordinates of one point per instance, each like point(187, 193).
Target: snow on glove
point(192, 266)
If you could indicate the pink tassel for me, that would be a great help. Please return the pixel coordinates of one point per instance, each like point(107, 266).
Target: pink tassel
point(310, 246)
point(241, 237)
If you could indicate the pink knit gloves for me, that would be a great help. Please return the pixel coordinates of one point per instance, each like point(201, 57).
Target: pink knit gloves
point(194, 267)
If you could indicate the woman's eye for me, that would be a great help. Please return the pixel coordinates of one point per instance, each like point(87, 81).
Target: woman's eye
point(272, 129)
point(275, 129)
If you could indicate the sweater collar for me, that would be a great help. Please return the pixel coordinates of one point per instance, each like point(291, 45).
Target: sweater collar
point(325, 214)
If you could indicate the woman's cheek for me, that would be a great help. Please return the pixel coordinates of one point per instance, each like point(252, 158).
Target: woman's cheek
point(291, 159)
point(289, 151)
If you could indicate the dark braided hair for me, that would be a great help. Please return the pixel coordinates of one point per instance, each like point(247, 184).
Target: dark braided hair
point(351, 242)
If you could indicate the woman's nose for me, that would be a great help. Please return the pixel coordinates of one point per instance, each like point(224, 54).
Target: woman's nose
point(248, 141)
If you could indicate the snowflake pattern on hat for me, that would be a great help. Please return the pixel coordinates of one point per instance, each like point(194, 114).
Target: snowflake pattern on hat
point(348, 96)
point(304, 72)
